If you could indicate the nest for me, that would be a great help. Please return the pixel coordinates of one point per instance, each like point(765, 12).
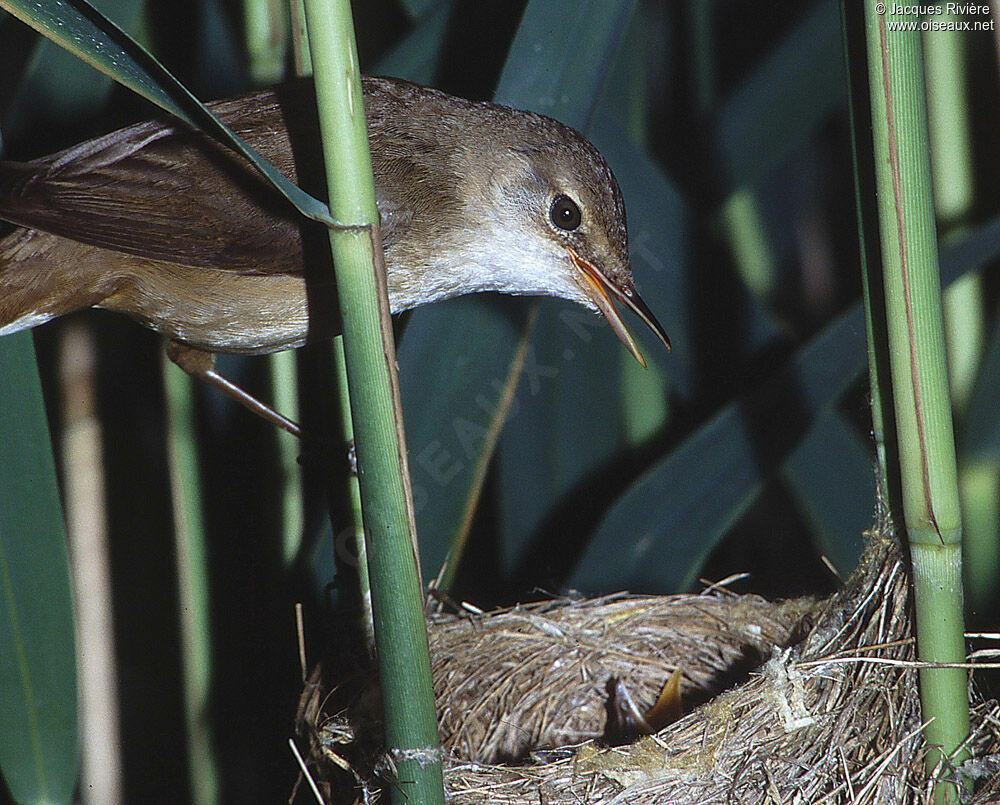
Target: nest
point(798, 701)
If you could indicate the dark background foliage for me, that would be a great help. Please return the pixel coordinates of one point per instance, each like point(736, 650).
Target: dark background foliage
point(747, 450)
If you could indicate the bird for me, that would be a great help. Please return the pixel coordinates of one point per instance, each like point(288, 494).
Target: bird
point(162, 223)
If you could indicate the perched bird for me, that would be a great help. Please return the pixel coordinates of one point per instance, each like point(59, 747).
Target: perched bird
point(162, 223)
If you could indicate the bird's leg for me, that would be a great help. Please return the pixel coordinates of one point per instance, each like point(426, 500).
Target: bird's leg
point(201, 364)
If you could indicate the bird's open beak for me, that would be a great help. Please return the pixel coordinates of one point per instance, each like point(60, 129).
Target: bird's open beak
point(600, 289)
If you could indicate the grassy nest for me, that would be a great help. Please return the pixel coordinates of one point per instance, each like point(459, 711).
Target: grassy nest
point(796, 701)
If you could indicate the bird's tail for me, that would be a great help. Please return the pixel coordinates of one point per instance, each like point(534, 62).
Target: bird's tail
point(43, 276)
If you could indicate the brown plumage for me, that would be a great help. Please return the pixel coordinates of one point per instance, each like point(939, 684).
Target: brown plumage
point(160, 223)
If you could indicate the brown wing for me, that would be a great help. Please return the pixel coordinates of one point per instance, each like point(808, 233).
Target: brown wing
point(162, 191)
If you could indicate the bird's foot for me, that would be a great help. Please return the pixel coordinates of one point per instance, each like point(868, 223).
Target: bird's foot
point(201, 365)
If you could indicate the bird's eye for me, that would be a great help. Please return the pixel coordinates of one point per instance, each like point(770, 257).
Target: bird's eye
point(564, 213)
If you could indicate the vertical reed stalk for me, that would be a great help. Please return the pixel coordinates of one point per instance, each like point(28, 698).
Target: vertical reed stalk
point(925, 437)
point(390, 533)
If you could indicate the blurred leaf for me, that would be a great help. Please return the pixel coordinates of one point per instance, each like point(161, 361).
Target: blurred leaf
point(639, 71)
point(979, 428)
point(266, 38)
point(418, 8)
point(978, 435)
point(416, 58)
point(454, 366)
point(971, 250)
point(831, 475)
point(568, 420)
point(659, 224)
point(560, 61)
point(660, 531)
point(38, 732)
point(643, 395)
point(774, 110)
point(219, 53)
point(57, 84)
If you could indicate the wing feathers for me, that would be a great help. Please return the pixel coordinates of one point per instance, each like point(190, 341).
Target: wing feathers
point(124, 191)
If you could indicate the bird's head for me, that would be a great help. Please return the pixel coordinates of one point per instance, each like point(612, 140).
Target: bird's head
point(558, 226)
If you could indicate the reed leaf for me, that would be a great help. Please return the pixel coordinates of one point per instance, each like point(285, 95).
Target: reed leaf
point(39, 755)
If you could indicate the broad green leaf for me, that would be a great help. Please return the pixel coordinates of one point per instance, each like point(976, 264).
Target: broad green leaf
point(664, 526)
point(783, 100)
point(85, 32)
point(830, 474)
point(57, 83)
point(38, 731)
point(661, 530)
point(454, 373)
point(416, 58)
point(561, 58)
point(568, 421)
